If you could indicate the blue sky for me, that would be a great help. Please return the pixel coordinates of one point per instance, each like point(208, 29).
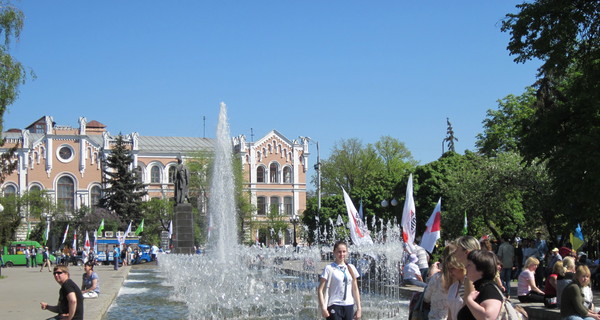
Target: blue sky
point(326, 69)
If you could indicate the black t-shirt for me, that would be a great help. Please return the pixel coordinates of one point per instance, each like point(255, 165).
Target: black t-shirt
point(487, 290)
point(63, 303)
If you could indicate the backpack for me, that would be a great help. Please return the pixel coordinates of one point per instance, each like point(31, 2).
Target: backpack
point(508, 311)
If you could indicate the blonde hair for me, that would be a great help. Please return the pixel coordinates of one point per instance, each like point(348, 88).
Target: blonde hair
point(569, 263)
point(558, 268)
point(450, 262)
point(583, 270)
point(530, 261)
point(467, 243)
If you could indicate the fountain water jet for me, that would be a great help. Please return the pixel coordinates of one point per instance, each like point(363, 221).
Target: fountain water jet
point(238, 282)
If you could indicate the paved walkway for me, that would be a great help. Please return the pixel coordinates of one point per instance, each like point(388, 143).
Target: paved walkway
point(22, 289)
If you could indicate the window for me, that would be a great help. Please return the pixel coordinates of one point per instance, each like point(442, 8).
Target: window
point(66, 193)
point(35, 188)
point(65, 153)
point(273, 173)
point(10, 190)
point(95, 195)
point(287, 175)
point(287, 206)
point(274, 205)
point(261, 206)
point(260, 174)
point(172, 174)
point(155, 175)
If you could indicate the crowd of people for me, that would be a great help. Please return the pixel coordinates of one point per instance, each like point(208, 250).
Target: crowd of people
point(472, 278)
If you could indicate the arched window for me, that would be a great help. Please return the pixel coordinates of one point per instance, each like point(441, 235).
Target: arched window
point(172, 174)
point(35, 188)
point(287, 206)
point(261, 206)
point(10, 190)
point(155, 174)
point(274, 205)
point(287, 175)
point(66, 193)
point(95, 195)
point(274, 173)
point(260, 174)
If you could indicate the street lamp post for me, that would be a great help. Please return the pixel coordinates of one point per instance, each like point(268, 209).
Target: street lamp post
point(1, 265)
point(294, 221)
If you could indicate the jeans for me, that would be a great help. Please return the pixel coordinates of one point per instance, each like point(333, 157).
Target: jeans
point(505, 278)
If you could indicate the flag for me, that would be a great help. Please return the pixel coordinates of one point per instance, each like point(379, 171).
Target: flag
point(140, 228)
point(432, 232)
point(96, 241)
point(171, 229)
point(409, 216)
point(87, 245)
point(358, 232)
point(577, 238)
point(47, 233)
point(465, 231)
point(122, 239)
point(360, 211)
point(75, 240)
point(339, 221)
point(100, 228)
point(65, 236)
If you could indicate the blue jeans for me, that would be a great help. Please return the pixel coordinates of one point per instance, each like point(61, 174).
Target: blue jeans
point(505, 278)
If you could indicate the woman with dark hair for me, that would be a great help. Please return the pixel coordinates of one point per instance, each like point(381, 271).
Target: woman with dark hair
point(486, 300)
point(571, 307)
point(90, 286)
point(338, 288)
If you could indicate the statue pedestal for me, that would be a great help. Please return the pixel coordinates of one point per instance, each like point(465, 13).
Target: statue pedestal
point(184, 229)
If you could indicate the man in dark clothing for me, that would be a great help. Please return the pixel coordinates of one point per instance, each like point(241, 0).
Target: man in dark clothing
point(70, 299)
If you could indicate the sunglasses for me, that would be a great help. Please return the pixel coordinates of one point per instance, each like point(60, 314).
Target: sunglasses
point(58, 272)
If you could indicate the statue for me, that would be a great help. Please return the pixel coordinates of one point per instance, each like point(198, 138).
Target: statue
point(182, 180)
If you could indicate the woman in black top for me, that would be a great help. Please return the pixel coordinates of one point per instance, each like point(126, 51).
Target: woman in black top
point(485, 302)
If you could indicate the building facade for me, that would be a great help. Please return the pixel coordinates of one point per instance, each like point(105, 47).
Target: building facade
point(67, 163)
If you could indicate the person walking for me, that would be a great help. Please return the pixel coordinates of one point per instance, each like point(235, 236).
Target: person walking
point(506, 254)
point(27, 256)
point(70, 299)
point(33, 257)
point(338, 288)
point(116, 256)
point(46, 260)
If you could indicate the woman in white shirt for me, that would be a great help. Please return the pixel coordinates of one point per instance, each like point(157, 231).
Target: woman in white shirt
point(338, 287)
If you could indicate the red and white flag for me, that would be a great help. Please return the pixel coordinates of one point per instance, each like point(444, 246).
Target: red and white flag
point(65, 236)
point(75, 240)
point(87, 244)
point(409, 217)
point(432, 232)
point(358, 232)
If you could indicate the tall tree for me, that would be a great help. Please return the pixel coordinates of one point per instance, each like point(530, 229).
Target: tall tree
point(565, 36)
point(123, 192)
point(12, 75)
point(503, 128)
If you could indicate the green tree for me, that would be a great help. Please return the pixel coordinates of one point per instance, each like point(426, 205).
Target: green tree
point(157, 215)
point(12, 75)
point(123, 192)
point(503, 128)
point(563, 130)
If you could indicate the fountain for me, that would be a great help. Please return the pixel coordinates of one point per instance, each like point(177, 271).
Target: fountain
point(233, 281)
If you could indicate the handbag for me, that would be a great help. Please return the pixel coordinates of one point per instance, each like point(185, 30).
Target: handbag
point(418, 308)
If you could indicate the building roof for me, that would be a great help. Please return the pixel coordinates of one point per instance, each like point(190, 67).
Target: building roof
point(95, 124)
point(174, 144)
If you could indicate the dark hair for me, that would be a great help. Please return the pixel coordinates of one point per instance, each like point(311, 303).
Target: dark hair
point(340, 242)
point(485, 262)
point(90, 264)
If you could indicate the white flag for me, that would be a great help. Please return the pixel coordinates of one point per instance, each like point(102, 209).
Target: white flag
point(170, 229)
point(65, 236)
point(432, 232)
point(409, 217)
point(122, 239)
point(358, 232)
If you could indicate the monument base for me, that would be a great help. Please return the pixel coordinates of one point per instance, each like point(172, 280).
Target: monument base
point(184, 229)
